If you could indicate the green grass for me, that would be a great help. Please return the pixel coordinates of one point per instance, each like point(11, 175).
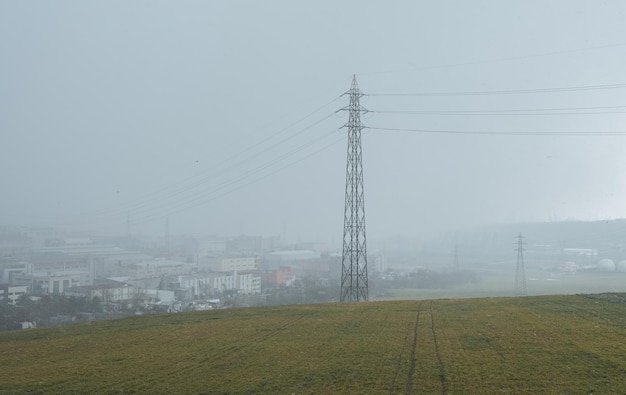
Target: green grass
point(502, 284)
point(544, 344)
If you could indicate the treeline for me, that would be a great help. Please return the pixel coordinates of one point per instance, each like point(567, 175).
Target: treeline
point(42, 310)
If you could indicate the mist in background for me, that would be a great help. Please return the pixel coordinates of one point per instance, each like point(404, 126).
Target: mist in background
point(222, 117)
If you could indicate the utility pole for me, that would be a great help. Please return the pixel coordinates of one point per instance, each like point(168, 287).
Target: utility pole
point(354, 258)
point(520, 273)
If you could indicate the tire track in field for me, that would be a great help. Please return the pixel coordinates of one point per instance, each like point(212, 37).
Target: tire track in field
point(392, 387)
point(409, 380)
point(442, 374)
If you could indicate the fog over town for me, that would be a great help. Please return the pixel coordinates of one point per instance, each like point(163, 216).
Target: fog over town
point(199, 148)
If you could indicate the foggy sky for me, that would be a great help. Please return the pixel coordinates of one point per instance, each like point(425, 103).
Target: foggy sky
point(148, 110)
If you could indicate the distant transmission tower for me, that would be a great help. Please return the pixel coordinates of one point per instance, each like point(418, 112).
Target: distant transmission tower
point(520, 273)
point(456, 258)
point(354, 257)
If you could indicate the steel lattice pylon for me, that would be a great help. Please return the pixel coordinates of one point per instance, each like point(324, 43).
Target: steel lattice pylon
point(354, 258)
point(520, 273)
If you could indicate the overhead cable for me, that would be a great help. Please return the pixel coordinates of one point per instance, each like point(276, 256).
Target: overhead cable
point(502, 133)
point(504, 92)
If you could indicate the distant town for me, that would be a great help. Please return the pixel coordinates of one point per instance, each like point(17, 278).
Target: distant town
point(119, 276)
point(49, 276)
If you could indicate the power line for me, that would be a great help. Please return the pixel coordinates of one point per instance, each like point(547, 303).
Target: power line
point(522, 110)
point(205, 199)
point(198, 201)
point(218, 169)
point(193, 184)
point(203, 195)
point(197, 190)
point(504, 92)
point(150, 213)
point(502, 133)
point(486, 113)
point(210, 176)
point(512, 112)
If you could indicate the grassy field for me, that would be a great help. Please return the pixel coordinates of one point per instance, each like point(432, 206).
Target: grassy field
point(499, 283)
point(544, 344)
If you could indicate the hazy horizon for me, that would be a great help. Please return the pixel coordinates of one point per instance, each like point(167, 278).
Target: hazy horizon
point(222, 117)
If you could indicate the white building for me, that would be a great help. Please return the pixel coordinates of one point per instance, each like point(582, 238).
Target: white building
point(48, 283)
point(248, 283)
point(244, 283)
point(12, 292)
point(206, 284)
point(197, 285)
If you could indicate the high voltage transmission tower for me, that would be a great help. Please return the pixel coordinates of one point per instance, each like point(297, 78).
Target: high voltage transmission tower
point(354, 258)
point(520, 273)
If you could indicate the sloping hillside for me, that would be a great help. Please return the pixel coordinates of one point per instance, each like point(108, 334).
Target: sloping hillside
point(565, 344)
